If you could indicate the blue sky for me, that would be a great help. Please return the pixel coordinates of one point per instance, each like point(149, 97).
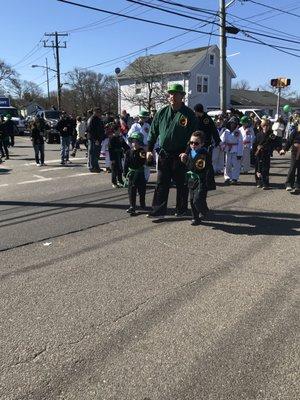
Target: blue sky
point(108, 37)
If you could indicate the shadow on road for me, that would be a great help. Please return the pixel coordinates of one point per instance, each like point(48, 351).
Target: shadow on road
point(255, 223)
point(4, 171)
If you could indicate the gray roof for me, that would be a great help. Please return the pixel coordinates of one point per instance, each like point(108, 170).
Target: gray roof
point(177, 61)
point(254, 98)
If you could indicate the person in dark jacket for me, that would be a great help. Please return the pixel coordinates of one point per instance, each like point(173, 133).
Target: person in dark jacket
point(2, 152)
point(116, 148)
point(134, 171)
point(199, 176)
point(264, 144)
point(65, 129)
point(95, 136)
point(206, 124)
point(292, 183)
point(10, 130)
point(37, 139)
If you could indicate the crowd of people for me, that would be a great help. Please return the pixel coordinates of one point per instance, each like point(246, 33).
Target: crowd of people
point(187, 147)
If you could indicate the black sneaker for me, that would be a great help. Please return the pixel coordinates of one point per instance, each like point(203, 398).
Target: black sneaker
point(227, 182)
point(266, 187)
point(131, 211)
point(155, 215)
point(196, 222)
point(233, 182)
point(181, 213)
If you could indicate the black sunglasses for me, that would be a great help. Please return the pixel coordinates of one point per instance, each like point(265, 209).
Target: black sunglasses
point(195, 143)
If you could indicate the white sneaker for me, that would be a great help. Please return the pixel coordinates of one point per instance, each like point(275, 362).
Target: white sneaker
point(38, 165)
point(289, 188)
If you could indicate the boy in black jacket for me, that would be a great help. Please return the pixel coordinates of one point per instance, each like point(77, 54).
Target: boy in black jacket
point(116, 148)
point(199, 176)
point(293, 142)
point(135, 160)
point(264, 144)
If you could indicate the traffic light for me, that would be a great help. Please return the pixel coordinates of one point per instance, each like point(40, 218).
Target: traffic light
point(280, 82)
point(274, 82)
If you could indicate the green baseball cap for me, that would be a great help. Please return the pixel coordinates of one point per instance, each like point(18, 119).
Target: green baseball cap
point(143, 114)
point(136, 136)
point(244, 120)
point(176, 88)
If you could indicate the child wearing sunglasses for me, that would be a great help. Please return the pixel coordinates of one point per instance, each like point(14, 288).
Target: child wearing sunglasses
point(199, 176)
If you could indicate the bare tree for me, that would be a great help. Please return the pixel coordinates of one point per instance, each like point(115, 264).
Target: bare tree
point(8, 76)
point(25, 92)
point(88, 89)
point(150, 83)
point(242, 84)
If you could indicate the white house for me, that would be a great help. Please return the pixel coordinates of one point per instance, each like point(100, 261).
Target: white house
point(198, 70)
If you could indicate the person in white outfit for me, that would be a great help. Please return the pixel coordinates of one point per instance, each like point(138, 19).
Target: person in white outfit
point(80, 135)
point(232, 144)
point(248, 135)
point(218, 152)
point(278, 129)
point(143, 127)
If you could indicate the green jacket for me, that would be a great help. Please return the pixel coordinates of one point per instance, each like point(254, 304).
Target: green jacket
point(172, 128)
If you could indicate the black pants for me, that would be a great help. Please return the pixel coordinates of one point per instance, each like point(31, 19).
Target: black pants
point(262, 165)
point(294, 166)
point(39, 152)
point(198, 202)
point(116, 171)
point(170, 168)
point(133, 189)
point(4, 148)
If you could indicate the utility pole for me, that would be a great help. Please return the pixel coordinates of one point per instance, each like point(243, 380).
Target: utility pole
point(278, 100)
point(47, 75)
point(222, 16)
point(56, 45)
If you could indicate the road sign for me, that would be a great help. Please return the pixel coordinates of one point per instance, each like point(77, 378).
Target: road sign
point(4, 102)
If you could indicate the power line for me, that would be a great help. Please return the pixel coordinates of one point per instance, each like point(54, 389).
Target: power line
point(202, 10)
point(164, 24)
point(274, 8)
point(215, 23)
point(94, 25)
point(34, 60)
point(36, 48)
point(170, 12)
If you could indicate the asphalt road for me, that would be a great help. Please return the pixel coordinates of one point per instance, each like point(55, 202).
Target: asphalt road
point(98, 305)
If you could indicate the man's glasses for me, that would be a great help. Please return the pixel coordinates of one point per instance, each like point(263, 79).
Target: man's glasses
point(195, 143)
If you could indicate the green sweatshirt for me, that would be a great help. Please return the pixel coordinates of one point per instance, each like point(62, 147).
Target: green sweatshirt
point(172, 128)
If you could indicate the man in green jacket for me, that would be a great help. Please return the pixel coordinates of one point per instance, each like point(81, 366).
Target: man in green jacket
point(172, 126)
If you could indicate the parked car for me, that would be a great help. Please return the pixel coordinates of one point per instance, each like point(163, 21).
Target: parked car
point(51, 118)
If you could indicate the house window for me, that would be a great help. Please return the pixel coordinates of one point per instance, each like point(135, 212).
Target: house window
point(138, 87)
point(202, 83)
point(212, 60)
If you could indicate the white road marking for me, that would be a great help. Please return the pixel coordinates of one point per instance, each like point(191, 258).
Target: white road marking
point(4, 184)
point(82, 174)
point(54, 169)
point(40, 179)
point(55, 161)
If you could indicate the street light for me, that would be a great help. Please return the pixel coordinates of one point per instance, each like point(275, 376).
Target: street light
point(47, 75)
